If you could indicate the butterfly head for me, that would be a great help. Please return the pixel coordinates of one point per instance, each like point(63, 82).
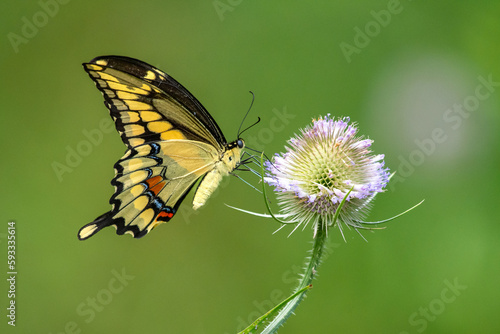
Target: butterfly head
point(232, 155)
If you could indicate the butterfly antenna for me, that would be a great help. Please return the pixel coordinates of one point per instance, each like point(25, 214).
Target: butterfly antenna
point(243, 121)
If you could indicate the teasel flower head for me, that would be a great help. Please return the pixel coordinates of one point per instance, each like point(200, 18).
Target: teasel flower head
point(326, 167)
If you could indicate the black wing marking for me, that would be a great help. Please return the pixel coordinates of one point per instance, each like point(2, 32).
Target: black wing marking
point(130, 86)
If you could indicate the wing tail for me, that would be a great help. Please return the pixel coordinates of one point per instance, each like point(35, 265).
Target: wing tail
point(98, 224)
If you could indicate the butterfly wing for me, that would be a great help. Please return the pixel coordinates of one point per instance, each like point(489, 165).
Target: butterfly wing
point(148, 105)
point(150, 183)
point(172, 141)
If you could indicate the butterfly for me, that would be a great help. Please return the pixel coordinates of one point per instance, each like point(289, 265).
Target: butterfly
point(172, 142)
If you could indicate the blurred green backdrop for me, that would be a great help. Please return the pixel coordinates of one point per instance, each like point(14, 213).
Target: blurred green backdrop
point(420, 78)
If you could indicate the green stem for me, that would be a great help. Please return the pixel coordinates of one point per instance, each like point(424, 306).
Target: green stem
point(312, 264)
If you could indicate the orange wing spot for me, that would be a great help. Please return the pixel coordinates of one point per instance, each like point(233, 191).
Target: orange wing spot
point(156, 189)
point(164, 214)
point(153, 181)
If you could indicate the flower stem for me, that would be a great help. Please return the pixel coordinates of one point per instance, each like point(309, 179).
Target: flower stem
point(311, 266)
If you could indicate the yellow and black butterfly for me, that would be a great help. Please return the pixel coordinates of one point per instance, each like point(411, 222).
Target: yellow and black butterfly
point(172, 141)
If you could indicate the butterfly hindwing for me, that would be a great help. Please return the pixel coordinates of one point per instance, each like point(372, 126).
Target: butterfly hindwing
point(151, 182)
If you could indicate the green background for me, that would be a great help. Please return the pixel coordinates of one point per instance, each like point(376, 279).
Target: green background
point(214, 270)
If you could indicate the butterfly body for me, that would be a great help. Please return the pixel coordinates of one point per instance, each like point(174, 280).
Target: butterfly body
point(172, 142)
point(226, 164)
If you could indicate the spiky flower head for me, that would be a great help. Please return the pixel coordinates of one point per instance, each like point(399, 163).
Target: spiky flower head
point(321, 165)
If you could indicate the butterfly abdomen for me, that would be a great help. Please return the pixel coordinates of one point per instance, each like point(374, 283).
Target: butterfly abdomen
point(207, 187)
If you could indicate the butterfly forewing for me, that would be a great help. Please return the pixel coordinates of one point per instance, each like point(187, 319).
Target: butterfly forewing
point(148, 105)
